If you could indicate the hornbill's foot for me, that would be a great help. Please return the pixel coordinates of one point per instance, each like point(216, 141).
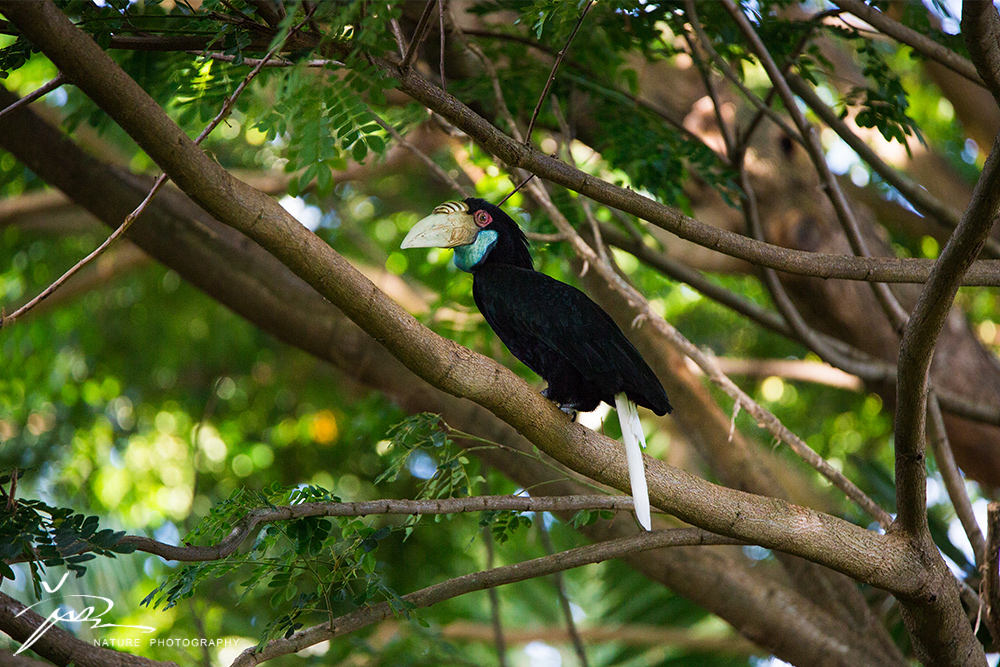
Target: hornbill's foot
point(568, 409)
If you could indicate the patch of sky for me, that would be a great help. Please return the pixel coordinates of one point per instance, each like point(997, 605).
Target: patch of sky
point(310, 216)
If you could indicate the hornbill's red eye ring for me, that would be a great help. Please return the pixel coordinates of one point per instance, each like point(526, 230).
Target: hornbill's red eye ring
point(482, 218)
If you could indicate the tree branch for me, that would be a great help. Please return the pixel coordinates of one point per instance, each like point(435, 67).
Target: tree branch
point(131, 217)
point(38, 93)
point(920, 338)
point(250, 281)
point(58, 645)
point(845, 214)
point(763, 416)
point(991, 569)
point(419, 33)
point(919, 197)
point(936, 619)
point(517, 155)
point(557, 581)
point(918, 42)
point(953, 481)
point(245, 528)
point(507, 574)
point(552, 73)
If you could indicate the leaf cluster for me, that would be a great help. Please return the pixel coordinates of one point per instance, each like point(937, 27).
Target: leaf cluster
point(302, 567)
point(322, 126)
point(47, 536)
point(883, 104)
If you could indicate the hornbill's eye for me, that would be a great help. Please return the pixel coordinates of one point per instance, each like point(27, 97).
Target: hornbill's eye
point(482, 218)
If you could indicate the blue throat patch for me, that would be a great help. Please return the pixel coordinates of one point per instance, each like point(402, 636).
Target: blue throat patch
point(467, 257)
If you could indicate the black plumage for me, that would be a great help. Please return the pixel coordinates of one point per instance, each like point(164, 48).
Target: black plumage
point(555, 329)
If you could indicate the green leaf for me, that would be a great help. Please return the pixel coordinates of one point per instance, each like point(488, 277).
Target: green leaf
point(359, 151)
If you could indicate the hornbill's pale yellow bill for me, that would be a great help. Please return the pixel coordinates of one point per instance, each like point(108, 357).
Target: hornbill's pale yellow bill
point(448, 226)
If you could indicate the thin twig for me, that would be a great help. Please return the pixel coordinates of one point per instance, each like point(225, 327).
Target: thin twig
point(991, 569)
point(273, 62)
point(919, 197)
point(519, 186)
point(491, 72)
point(797, 262)
point(418, 36)
point(41, 91)
point(244, 527)
point(963, 406)
point(231, 101)
point(559, 583)
point(953, 481)
point(567, 134)
point(477, 581)
point(919, 42)
point(852, 360)
point(495, 620)
point(728, 136)
point(426, 159)
point(129, 219)
point(729, 73)
point(397, 32)
point(552, 74)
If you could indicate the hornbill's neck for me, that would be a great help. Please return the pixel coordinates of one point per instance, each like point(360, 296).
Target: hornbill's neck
point(511, 245)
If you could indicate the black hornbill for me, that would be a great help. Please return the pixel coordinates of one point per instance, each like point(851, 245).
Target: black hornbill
point(554, 328)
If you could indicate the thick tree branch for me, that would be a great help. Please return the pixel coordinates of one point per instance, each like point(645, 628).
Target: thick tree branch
point(763, 416)
point(59, 646)
point(882, 269)
point(991, 568)
point(876, 269)
point(920, 337)
point(981, 30)
point(936, 619)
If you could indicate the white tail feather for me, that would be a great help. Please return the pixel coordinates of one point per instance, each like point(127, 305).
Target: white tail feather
point(635, 440)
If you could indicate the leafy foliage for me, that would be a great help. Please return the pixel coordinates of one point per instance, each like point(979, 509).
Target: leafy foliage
point(47, 536)
point(307, 566)
point(884, 105)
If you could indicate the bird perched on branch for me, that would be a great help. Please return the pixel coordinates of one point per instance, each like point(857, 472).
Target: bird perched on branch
point(554, 328)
